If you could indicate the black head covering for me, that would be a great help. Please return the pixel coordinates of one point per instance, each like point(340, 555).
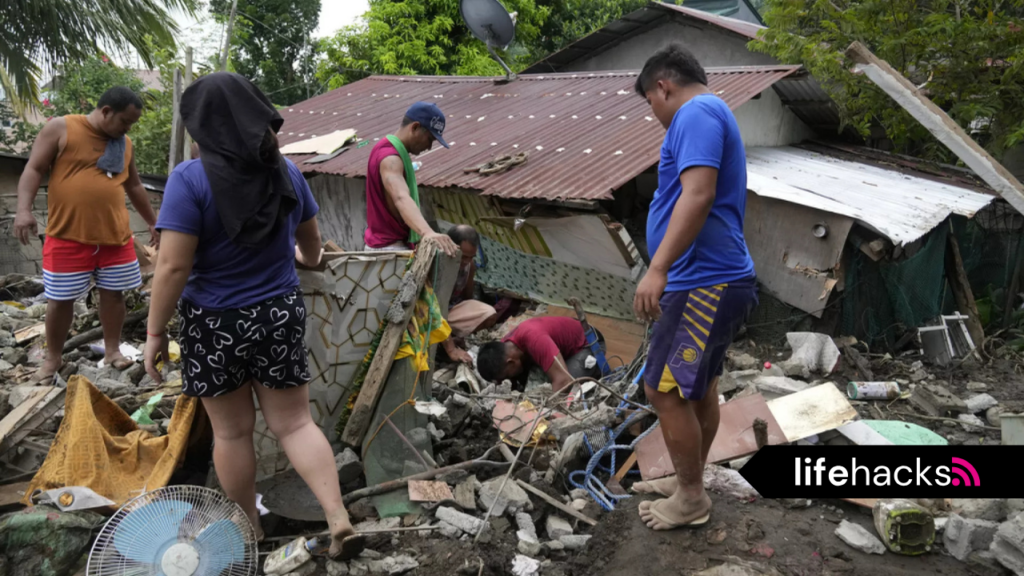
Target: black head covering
point(228, 117)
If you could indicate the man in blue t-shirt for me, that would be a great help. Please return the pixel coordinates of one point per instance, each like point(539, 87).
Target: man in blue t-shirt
point(700, 287)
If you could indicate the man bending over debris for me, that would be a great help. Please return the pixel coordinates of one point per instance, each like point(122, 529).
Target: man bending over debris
point(393, 217)
point(466, 315)
point(545, 342)
point(88, 238)
point(700, 287)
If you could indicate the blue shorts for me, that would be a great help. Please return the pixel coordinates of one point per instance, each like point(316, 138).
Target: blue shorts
point(689, 342)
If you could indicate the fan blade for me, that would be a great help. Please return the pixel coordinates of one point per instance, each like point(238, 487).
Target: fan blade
point(147, 530)
point(219, 544)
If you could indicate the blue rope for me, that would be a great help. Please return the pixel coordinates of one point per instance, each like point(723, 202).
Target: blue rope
point(594, 487)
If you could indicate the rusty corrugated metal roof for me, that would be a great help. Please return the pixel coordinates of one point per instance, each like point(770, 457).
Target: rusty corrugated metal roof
point(587, 133)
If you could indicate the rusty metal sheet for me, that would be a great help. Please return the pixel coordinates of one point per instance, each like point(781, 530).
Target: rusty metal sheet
point(735, 437)
point(572, 125)
point(429, 491)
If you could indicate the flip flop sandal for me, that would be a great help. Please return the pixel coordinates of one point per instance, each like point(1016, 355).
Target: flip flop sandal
point(695, 523)
point(351, 547)
point(45, 380)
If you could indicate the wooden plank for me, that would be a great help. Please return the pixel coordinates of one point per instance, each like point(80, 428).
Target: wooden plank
point(429, 491)
point(936, 121)
point(397, 320)
point(630, 462)
point(29, 416)
point(961, 288)
point(622, 338)
point(12, 494)
point(557, 504)
point(26, 335)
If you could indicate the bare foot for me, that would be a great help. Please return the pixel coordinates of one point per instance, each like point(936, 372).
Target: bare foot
point(345, 544)
point(662, 486)
point(257, 527)
point(117, 362)
point(676, 512)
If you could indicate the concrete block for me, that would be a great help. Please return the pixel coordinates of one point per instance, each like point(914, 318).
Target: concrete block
point(937, 400)
point(526, 527)
point(558, 527)
point(1008, 544)
point(991, 509)
point(965, 535)
point(463, 522)
point(113, 388)
point(511, 499)
point(528, 548)
point(350, 468)
point(856, 536)
point(575, 541)
point(448, 530)
point(465, 493)
point(981, 403)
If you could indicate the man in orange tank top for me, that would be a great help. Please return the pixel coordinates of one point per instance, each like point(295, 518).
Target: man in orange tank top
point(88, 237)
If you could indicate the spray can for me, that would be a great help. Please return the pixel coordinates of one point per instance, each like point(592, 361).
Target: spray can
point(873, 390)
point(290, 556)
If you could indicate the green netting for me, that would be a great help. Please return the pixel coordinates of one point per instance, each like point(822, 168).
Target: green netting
point(882, 299)
point(990, 245)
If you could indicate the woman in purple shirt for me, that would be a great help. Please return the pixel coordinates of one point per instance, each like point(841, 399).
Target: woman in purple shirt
point(233, 224)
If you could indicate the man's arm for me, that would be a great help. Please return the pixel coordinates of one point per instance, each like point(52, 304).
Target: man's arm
point(392, 174)
point(688, 217)
point(44, 152)
point(140, 200)
point(559, 374)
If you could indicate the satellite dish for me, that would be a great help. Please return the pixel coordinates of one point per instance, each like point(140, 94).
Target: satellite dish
point(491, 23)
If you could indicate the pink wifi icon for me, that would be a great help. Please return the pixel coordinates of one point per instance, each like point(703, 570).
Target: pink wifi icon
point(963, 474)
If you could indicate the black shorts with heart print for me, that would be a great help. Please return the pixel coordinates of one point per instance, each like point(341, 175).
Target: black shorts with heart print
point(223, 349)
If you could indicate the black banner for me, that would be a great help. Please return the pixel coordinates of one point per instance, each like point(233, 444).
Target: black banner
point(886, 471)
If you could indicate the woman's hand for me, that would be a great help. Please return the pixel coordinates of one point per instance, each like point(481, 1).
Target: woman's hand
point(156, 345)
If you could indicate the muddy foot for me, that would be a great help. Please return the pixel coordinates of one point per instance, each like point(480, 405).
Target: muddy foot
point(671, 513)
point(118, 362)
point(662, 486)
point(345, 543)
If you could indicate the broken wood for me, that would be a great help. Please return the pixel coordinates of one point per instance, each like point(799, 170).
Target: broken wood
point(760, 433)
point(936, 121)
point(630, 462)
point(97, 333)
point(961, 288)
point(29, 415)
point(331, 246)
point(26, 335)
point(429, 491)
point(557, 504)
point(397, 319)
point(859, 362)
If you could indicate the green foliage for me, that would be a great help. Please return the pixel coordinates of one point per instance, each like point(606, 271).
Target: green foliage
point(37, 33)
point(16, 134)
point(272, 45)
point(968, 55)
point(571, 20)
point(78, 87)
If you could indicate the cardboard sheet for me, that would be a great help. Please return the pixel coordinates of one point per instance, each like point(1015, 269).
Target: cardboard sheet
point(812, 411)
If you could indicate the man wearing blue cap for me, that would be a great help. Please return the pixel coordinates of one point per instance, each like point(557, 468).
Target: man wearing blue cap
point(393, 217)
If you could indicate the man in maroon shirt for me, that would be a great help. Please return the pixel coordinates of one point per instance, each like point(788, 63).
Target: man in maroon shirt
point(546, 342)
point(392, 209)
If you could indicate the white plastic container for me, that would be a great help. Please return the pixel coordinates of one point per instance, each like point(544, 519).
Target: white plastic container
point(873, 390)
point(289, 557)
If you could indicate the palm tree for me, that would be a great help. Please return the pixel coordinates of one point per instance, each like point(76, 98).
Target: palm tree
point(39, 34)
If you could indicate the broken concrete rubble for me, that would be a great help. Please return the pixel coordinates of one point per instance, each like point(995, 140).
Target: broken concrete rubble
point(511, 499)
point(575, 541)
point(981, 403)
point(965, 535)
point(557, 527)
point(527, 529)
point(464, 522)
point(856, 536)
point(1008, 544)
point(937, 400)
point(600, 417)
point(776, 386)
point(350, 468)
point(812, 353)
point(465, 493)
point(991, 509)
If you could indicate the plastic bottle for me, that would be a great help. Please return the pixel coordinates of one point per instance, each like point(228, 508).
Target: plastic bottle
point(416, 166)
point(771, 370)
point(290, 556)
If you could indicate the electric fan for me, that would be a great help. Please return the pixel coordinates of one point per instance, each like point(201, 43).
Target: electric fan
point(176, 531)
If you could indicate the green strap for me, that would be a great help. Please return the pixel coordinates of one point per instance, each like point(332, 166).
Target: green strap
point(410, 179)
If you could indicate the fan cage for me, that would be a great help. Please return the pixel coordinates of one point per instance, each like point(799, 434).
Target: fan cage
point(208, 506)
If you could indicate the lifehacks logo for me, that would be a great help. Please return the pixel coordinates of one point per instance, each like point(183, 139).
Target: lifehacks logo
point(883, 471)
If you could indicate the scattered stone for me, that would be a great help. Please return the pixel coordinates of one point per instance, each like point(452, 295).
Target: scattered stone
point(557, 527)
point(578, 504)
point(794, 503)
point(529, 548)
point(525, 566)
point(527, 530)
point(379, 525)
point(369, 554)
point(970, 419)
point(5, 366)
point(965, 535)
point(463, 522)
point(776, 386)
point(991, 509)
point(856, 536)
point(741, 360)
point(981, 403)
point(465, 493)
point(600, 417)
point(1008, 544)
point(94, 375)
point(728, 481)
point(133, 375)
point(577, 493)
point(15, 356)
point(453, 477)
point(438, 435)
point(357, 568)
point(1014, 506)
point(575, 541)
point(448, 530)
point(399, 564)
point(984, 563)
point(977, 387)
point(361, 510)
point(336, 568)
point(19, 394)
point(112, 388)
point(512, 498)
point(994, 416)
point(349, 466)
point(919, 375)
